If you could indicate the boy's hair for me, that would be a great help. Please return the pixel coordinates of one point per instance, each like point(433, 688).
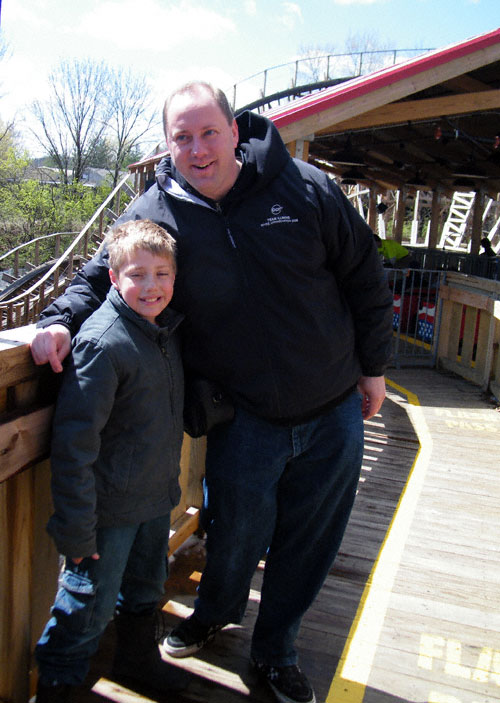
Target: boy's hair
point(192, 87)
point(136, 235)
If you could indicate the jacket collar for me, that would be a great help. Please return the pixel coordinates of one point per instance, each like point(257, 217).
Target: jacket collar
point(168, 319)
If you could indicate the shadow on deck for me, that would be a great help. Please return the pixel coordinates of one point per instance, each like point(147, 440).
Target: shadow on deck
point(409, 611)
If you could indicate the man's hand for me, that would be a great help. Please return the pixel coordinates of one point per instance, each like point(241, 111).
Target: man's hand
point(51, 344)
point(372, 388)
point(77, 560)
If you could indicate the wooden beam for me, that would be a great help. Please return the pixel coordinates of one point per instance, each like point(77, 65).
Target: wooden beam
point(182, 528)
point(467, 297)
point(477, 222)
point(299, 149)
point(347, 109)
point(24, 441)
point(372, 209)
point(16, 363)
point(400, 216)
point(415, 110)
point(435, 213)
point(466, 84)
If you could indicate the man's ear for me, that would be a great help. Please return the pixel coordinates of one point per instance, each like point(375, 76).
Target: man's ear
point(236, 134)
point(113, 279)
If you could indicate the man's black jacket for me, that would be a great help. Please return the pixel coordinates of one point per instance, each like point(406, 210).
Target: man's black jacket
point(285, 300)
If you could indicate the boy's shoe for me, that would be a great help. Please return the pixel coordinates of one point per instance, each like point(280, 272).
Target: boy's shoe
point(137, 656)
point(189, 637)
point(53, 694)
point(288, 683)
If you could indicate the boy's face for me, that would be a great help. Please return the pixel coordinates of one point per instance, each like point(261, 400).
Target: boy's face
point(145, 282)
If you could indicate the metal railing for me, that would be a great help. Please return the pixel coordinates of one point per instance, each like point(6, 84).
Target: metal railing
point(314, 69)
point(415, 319)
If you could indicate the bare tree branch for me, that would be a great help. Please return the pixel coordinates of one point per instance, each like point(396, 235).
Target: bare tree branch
point(74, 118)
point(131, 114)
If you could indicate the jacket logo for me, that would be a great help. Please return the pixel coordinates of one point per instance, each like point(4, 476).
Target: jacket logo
point(277, 218)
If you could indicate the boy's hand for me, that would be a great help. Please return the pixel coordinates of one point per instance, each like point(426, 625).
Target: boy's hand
point(77, 560)
point(51, 344)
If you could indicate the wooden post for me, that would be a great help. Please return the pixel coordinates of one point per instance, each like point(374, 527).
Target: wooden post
point(435, 215)
point(299, 149)
point(397, 233)
point(477, 222)
point(302, 149)
point(372, 209)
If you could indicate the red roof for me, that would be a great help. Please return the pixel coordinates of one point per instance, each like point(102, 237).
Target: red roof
point(344, 92)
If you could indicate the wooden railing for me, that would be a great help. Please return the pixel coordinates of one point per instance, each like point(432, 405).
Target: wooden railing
point(469, 330)
point(12, 257)
point(28, 560)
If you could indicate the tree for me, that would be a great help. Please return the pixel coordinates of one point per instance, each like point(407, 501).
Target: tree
point(74, 118)
point(96, 116)
point(131, 116)
point(373, 54)
point(362, 51)
point(314, 64)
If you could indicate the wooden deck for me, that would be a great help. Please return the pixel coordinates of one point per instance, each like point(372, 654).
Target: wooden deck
point(410, 611)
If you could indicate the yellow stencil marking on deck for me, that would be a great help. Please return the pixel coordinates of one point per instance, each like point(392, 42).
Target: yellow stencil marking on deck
point(350, 680)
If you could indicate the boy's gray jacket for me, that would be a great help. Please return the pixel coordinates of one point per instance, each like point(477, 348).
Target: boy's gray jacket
point(117, 429)
point(285, 298)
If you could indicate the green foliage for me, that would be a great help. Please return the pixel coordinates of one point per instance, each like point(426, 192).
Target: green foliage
point(29, 209)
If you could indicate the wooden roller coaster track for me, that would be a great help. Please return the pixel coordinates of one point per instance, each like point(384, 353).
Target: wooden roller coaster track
point(23, 300)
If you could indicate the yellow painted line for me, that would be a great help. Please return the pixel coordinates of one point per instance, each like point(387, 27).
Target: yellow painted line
point(351, 677)
point(411, 340)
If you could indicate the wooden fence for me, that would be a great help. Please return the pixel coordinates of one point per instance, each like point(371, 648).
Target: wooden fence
point(28, 560)
point(469, 330)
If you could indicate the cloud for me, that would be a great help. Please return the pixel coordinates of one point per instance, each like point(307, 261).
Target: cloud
point(291, 15)
point(156, 23)
point(355, 2)
point(250, 7)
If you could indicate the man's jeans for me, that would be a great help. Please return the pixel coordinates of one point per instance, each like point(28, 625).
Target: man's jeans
point(130, 576)
point(285, 490)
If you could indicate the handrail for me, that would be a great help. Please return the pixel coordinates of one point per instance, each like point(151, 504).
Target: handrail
point(326, 59)
point(32, 241)
point(25, 296)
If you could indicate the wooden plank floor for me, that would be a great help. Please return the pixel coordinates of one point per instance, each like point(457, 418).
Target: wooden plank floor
point(410, 611)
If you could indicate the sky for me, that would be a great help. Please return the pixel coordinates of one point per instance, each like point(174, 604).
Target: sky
point(222, 41)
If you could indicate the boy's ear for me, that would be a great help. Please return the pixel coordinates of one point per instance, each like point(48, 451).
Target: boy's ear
point(113, 279)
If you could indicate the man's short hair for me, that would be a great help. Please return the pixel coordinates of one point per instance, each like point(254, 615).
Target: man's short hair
point(136, 235)
point(191, 88)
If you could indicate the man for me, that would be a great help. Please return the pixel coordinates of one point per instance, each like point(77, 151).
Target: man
point(285, 306)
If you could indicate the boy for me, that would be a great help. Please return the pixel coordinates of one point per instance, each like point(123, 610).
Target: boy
point(115, 462)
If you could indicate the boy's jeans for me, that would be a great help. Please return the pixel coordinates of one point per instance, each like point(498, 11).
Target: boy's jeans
point(288, 490)
point(130, 575)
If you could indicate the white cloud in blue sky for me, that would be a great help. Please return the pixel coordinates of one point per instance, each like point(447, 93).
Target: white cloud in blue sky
point(175, 24)
point(357, 2)
point(291, 14)
point(250, 7)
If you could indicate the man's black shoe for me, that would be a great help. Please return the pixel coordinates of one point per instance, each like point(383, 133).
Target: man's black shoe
point(288, 683)
point(189, 637)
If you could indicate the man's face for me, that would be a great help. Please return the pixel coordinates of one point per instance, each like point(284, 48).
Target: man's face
point(202, 143)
